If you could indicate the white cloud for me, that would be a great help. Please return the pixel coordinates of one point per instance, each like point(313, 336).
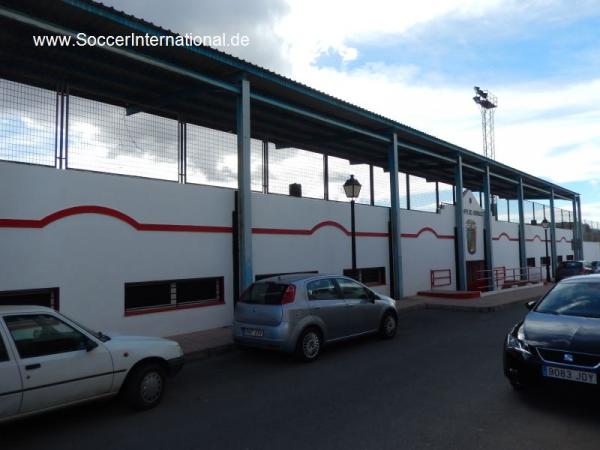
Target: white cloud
point(547, 129)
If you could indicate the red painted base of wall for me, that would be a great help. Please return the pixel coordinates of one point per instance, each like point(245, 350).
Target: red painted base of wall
point(453, 295)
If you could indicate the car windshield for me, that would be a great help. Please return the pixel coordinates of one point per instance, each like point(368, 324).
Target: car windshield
point(97, 334)
point(264, 293)
point(572, 299)
point(570, 265)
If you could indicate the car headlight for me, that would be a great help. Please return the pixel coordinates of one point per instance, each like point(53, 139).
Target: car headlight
point(518, 345)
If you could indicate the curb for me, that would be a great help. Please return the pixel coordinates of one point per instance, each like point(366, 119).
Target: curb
point(199, 355)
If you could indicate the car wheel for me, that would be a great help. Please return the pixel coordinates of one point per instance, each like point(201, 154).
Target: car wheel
point(145, 386)
point(309, 345)
point(389, 325)
point(518, 383)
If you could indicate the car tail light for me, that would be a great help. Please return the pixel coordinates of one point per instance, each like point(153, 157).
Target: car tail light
point(289, 295)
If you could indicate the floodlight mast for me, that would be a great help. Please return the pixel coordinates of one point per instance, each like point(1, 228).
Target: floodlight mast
point(488, 103)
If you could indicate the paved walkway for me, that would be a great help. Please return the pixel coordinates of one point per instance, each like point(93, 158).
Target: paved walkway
point(203, 344)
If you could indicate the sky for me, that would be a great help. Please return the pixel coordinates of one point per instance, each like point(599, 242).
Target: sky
point(417, 63)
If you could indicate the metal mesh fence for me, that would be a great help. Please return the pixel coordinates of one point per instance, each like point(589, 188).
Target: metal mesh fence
point(528, 211)
point(402, 182)
point(593, 225)
point(28, 123)
point(381, 186)
point(502, 209)
point(292, 165)
point(212, 158)
point(103, 138)
point(446, 193)
point(339, 171)
point(422, 194)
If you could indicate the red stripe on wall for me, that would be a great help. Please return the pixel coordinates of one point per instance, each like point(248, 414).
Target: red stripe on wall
point(562, 239)
point(104, 211)
point(430, 230)
point(110, 212)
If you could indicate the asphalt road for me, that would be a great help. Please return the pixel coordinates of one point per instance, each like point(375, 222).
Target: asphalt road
point(439, 384)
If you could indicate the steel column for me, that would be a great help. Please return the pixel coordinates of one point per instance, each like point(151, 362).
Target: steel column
point(372, 184)
point(553, 259)
point(575, 230)
point(522, 249)
point(461, 267)
point(244, 185)
point(353, 237)
point(487, 224)
point(407, 191)
point(265, 171)
point(396, 250)
point(580, 228)
point(326, 177)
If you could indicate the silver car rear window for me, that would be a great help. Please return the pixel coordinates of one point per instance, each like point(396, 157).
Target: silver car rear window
point(264, 293)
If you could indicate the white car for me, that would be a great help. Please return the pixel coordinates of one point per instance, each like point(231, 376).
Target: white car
point(48, 361)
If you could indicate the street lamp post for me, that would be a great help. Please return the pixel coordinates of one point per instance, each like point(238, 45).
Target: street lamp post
point(352, 190)
point(545, 225)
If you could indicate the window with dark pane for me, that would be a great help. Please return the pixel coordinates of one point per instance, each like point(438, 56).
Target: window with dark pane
point(146, 295)
point(199, 290)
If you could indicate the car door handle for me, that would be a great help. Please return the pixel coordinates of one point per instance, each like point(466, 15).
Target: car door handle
point(33, 366)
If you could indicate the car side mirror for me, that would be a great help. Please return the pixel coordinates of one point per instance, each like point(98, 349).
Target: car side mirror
point(89, 345)
point(373, 296)
point(530, 305)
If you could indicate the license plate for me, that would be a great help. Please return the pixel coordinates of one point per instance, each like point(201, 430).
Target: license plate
point(253, 332)
point(569, 374)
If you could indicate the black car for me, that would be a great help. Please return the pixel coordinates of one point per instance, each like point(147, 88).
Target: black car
point(559, 339)
point(570, 268)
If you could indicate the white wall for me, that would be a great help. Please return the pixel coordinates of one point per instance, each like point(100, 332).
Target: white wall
point(427, 244)
point(326, 249)
point(90, 257)
point(591, 251)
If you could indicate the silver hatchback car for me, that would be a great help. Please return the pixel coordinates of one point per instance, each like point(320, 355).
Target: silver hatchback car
point(302, 312)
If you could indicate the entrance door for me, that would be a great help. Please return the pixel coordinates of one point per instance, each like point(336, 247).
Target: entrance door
point(476, 278)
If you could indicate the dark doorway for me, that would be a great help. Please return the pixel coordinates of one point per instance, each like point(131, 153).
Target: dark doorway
point(476, 280)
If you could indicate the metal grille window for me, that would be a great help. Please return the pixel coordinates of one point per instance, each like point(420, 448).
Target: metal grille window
point(198, 291)
point(28, 122)
point(370, 276)
point(147, 295)
point(166, 295)
point(39, 297)
point(292, 165)
point(339, 171)
point(103, 138)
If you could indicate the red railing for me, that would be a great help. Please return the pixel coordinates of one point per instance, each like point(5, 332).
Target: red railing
point(440, 278)
point(501, 277)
